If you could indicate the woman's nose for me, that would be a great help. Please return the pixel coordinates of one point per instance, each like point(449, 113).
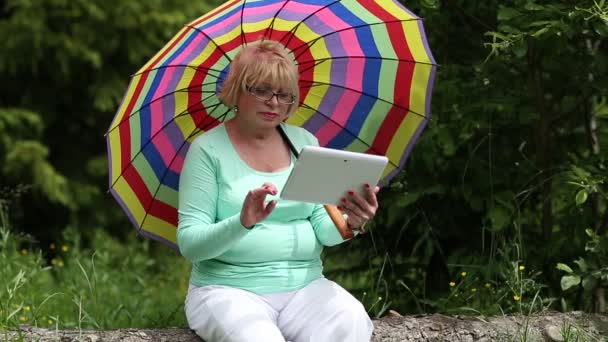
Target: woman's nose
point(274, 100)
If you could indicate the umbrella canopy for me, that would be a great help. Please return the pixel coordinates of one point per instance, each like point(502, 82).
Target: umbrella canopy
point(366, 75)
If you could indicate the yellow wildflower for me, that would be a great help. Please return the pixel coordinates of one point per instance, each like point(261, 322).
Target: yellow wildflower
point(473, 290)
point(522, 267)
point(50, 321)
point(516, 298)
point(54, 261)
point(452, 284)
point(60, 263)
point(22, 319)
point(379, 298)
point(26, 308)
point(65, 248)
point(464, 274)
point(488, 285)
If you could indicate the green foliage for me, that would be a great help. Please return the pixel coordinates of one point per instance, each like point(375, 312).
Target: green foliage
point(110, 287)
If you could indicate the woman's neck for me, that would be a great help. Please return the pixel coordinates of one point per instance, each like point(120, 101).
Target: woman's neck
point(245, 132)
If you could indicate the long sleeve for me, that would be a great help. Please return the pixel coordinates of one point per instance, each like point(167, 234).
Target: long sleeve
point(199, 237)
point(325, 230)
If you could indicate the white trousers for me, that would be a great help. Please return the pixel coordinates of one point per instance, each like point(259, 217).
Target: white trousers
point(321, 311)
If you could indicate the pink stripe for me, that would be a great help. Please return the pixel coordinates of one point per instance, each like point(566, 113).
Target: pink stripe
point(327, 17)
point(262, 9)
point(178, 164)
point(164, 147)
point(189, 53)
point(299, 7)
point(354, 80)
point(157, 111)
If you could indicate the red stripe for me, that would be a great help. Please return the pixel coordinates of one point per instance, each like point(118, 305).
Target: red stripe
point(124, 126)
point(163, 211)
point(198, 112)
point(404, 76)
point(155, 207)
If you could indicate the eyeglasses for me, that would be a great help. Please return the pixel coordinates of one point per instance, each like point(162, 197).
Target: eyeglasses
point(265, 94)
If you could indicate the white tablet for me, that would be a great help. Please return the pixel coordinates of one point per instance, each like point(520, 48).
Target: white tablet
point(324, 175)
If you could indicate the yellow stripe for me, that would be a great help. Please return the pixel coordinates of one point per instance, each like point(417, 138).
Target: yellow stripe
point(391, 7)
point(418, 90)
point(114, 140)
point(414, 42)
point(403, 136)
point(130, 199)
point(160, 228)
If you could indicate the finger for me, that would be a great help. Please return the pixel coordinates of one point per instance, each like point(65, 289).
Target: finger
point(371, 195)
point(269, 207)
point(262, 192)
point(354, 219)
point(355, 215)
point(270, 186)
point(356, 202)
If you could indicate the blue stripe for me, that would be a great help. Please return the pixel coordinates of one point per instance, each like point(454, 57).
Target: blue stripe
point(371, 72)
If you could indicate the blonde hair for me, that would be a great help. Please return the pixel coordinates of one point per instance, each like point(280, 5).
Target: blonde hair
point(261, 61)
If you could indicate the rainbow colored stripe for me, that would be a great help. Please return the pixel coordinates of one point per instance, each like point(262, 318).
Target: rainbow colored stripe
point(366, 76)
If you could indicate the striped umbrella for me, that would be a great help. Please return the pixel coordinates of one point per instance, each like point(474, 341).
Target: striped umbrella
point(366, 74)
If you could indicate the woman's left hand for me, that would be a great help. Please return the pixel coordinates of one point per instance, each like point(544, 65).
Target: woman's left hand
point(359, 209)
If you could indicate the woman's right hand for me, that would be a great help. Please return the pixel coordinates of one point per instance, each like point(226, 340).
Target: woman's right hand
point(254, 207)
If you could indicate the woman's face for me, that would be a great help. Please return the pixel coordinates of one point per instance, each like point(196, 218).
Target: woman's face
point(263, 105)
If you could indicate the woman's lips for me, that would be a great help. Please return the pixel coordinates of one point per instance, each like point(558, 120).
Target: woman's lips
point(269, 115)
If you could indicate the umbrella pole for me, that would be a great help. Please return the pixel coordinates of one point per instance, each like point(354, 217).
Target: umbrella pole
point(336, 216)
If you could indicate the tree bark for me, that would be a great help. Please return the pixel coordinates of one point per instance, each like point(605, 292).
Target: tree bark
point(573, 326)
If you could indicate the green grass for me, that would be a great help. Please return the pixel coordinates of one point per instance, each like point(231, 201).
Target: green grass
point(116, 285)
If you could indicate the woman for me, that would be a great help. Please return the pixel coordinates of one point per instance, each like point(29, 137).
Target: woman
point(257, 272)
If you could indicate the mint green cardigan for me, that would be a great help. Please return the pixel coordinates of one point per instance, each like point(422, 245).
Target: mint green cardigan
point(281, 253)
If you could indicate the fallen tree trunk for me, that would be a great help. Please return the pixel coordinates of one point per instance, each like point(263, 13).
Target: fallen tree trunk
point(573, 326)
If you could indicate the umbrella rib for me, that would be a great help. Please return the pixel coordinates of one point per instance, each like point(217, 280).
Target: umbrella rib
point(271, 26)
point(167, 170)
point(184, 113)
point(188, 89)
point(317, 83)
point(291, 33)
point(346, 130)
point(307, 45)
point(322, 60)
point(243, 39)
point(197, 68)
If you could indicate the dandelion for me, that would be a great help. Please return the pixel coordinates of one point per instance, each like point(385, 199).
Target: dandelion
point(22, 319)
point(464, 274)
point(52, 246)
point(452, 284)
point(522, 267)
point(516, 298)
point(24, 251)
point(65, 248)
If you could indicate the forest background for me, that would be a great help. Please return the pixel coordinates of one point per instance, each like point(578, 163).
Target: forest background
point(501, 208)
